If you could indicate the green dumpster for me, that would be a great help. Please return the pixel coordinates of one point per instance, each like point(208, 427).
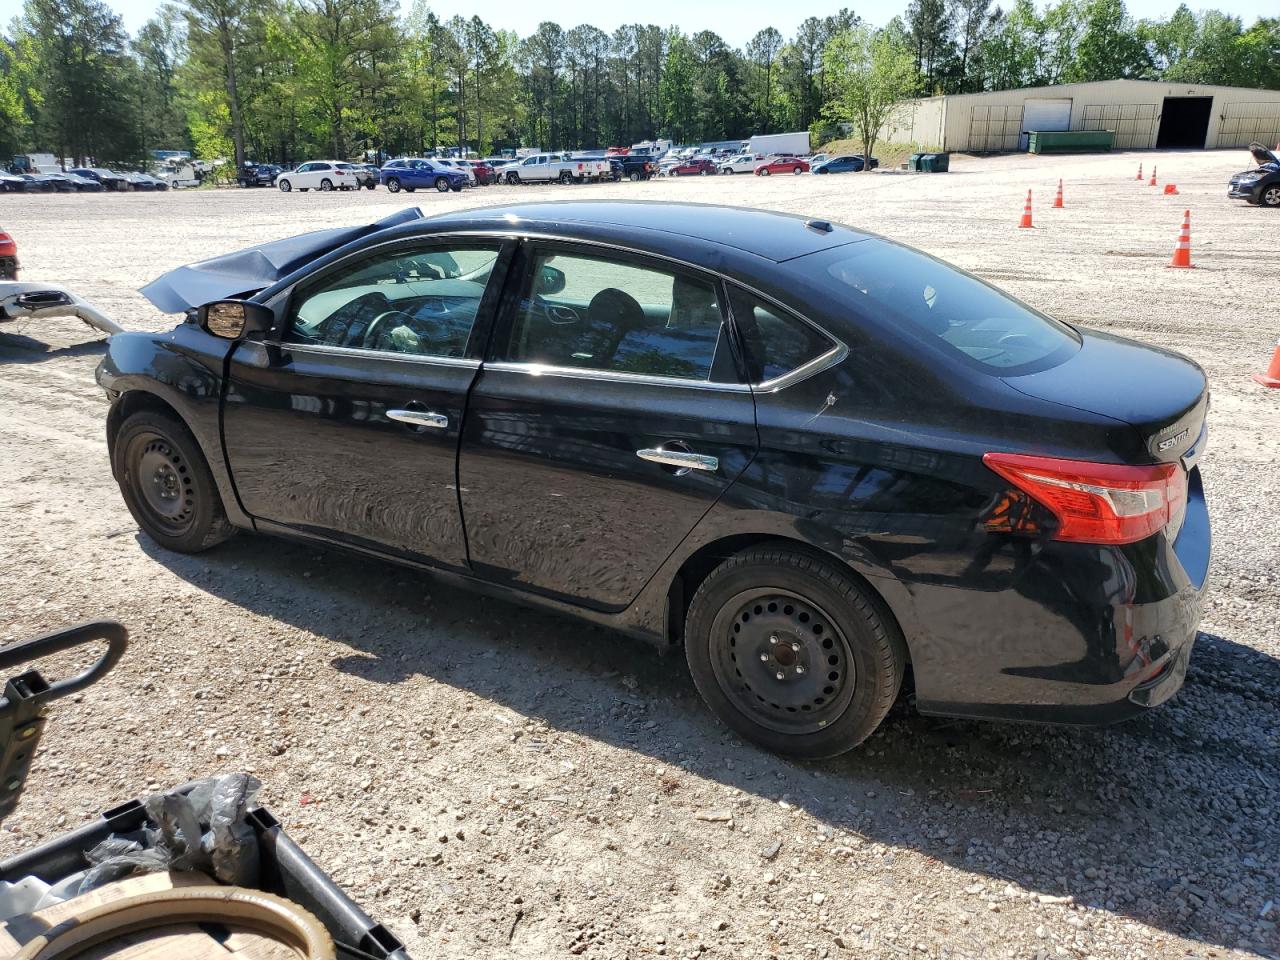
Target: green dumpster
point(1070, 141)
point(935, 162)
point(914, 163)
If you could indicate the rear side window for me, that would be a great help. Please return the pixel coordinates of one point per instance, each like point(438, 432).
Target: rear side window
point(899, 286)
point(776, 343)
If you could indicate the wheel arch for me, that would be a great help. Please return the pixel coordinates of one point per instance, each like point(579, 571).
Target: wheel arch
point(698, 566)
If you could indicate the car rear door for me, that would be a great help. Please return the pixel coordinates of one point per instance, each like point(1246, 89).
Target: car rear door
point(345, 426)
point(607, 419)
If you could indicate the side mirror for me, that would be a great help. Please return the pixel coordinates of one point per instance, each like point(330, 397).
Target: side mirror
point(550, 280)
point(234, 319)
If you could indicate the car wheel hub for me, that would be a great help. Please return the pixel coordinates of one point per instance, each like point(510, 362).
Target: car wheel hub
point(782, 661)
point(165, 485)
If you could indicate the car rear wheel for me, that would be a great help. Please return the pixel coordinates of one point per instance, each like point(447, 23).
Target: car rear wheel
point(442, 184)
point(704, 171)
point(284, 186)
point(166, 483)
point(566, 176)
point(1271, 196)
point(633, 177)
point(326, 185)
point(791, 653)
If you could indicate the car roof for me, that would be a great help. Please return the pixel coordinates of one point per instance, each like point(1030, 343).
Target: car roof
point(650, 225)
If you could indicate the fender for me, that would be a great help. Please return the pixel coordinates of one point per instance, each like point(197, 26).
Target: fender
point(183, 368)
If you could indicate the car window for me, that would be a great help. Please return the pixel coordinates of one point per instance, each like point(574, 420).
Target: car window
point(419, 301)
point(898, 286)
point(598, 313)
point(776, 343)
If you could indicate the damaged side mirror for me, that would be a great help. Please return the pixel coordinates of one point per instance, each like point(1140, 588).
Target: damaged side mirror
point(234, 319)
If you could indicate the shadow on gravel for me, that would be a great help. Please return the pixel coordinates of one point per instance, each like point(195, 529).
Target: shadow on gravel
point(1170, 819)
point(20, 348)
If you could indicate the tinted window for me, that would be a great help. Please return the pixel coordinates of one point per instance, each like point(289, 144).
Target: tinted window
point(418, 301)
point(902, 287)
point(776, 342)
point(602, 314)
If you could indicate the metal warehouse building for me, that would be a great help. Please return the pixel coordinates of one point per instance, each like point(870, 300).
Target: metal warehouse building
point(1143, 114)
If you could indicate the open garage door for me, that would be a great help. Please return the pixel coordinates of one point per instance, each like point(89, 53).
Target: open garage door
point(1184, 122)
point(1044, 115)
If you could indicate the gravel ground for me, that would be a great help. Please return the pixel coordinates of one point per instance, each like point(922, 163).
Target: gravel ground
point(494, 782)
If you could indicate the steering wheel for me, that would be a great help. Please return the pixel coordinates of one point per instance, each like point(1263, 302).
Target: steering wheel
point(423, 329)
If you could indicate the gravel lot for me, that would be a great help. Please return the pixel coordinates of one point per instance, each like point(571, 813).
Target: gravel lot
point(494, 782)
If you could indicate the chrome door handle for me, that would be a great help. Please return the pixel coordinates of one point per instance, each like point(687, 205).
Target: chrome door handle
point(680, 458)
point(419, 418)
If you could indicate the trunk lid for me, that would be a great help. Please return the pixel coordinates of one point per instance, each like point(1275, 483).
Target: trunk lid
point(1161, 394)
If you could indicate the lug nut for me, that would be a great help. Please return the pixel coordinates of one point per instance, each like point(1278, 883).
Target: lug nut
point(799, 668)
point(764, 658)
point(780, 675)
point(795, 646)
point(773, 638)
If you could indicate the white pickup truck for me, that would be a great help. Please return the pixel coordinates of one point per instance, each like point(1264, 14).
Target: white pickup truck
point(545, 167)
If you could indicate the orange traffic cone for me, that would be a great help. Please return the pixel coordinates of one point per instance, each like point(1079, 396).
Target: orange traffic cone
point(1139, 177)
point(1057, 200)
point(1026, 212)
point(1152, 181)
point(1182, 252)
point(1272, 377)
point(1171, 189)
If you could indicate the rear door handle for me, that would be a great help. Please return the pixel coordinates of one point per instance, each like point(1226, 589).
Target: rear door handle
point(682, 459)
point(419, 418)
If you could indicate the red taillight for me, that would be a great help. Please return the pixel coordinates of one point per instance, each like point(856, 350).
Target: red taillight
point(1097, 502)
point(7, 246)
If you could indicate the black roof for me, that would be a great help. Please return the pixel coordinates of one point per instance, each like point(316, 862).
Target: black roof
point(653, 225)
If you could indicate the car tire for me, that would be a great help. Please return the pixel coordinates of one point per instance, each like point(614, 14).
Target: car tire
point(442, 184)
point(456, 188)
point(284, 186)
point(764, 173)
point(566, 177)
point(326, 185)
point(393, 185)
point(166, 483)
point(704, 171)
point(774, 610)
point(729, 170)
point(1270, 196)
point(633, 177)
point(797, 170)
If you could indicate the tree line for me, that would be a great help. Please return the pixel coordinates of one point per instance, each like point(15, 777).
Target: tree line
point(285, 80)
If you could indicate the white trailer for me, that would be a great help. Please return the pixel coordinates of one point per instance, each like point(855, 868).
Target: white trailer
point(771, 144)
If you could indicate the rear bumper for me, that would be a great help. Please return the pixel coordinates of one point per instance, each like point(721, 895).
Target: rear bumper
point(1086, 635)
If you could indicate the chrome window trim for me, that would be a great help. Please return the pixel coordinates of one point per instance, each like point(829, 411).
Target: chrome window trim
point(616, 376)
point(360, 353)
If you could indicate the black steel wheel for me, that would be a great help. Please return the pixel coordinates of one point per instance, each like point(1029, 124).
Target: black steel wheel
point(792, 653)
point(166, 483)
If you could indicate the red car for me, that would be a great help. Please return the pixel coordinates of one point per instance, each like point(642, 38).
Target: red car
point(484, 172)
point(782, 165)
point(702, 166)
point(8, 257)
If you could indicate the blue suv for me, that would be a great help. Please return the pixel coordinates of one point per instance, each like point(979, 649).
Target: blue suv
point(412, 173)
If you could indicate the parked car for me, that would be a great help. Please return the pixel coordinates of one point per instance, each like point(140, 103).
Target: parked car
point(83, 184)
point(413, 172)
point(324, 175)
point(818, 158)
point(258, 175)
point(899, 464)
point(1261, 185)
point(109, 179)
point(635, 167)
point(9, 265)
point(367, 175)
point(781, 165)
point(479, 170)
point(157, 183)
point(843, 164)
point(44, 183)
point(137, 181)
point(696, 166)
point(461, 166)
point(742, 163)
point(497, 165)
point(14, 183)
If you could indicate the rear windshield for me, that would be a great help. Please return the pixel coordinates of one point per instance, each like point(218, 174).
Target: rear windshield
point(905, 288)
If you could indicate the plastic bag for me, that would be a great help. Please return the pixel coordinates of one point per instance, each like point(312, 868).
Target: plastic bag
point(202, 828)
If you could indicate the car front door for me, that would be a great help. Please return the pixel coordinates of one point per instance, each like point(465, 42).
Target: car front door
point(345, 425)
point(607, 419)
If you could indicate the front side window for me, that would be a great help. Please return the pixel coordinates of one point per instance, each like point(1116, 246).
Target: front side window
point(775, 342)
point(597, 313)
point(420, 301)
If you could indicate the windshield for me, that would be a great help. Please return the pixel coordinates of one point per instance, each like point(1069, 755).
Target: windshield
point(906, 289)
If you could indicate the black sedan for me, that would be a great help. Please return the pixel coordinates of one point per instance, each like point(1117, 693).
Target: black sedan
point(1261, 185)
point(844, 164)
point(109, 179)
point(817, 460)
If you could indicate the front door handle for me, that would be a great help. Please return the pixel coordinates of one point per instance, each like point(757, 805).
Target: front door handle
point(419, 418)
point(681, 459)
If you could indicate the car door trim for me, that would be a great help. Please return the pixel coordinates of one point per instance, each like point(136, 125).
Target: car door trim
point(614, 376)
point(361, 353)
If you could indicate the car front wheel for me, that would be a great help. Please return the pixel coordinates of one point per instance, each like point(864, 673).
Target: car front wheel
point(1271, 196)
point(790, 651)
point(166, 483)
point(284, 186)
point(393, 184)
point(764, 173)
